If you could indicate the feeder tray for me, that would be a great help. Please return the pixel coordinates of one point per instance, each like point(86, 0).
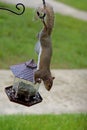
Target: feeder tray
point(21, 100)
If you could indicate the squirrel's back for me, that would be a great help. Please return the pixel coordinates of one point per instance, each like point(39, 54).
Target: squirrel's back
point(49, 18)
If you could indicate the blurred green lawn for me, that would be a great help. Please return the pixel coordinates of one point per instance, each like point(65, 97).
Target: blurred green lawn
point(18, 38)
point(79, 4)
point(44, 122)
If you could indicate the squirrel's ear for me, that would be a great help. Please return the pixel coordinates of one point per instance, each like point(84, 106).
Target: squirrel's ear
point(53, 78)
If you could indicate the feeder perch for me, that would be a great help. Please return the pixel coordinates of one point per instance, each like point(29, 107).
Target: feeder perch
point(24, 91)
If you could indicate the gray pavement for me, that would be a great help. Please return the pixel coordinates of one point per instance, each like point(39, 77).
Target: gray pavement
point(68, 94)
point(58, 7)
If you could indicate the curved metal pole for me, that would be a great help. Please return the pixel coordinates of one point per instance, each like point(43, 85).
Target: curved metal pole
point(42, 17)
point(17, 7)
point(44, 3)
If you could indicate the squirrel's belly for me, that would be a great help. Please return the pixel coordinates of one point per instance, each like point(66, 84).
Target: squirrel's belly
point(37, 47)
point(38, 63)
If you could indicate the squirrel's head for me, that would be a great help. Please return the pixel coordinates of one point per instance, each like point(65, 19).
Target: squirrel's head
point(48, 83)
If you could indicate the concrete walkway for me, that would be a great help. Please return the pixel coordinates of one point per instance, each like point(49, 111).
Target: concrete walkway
point(68, 95)
point(58, 7)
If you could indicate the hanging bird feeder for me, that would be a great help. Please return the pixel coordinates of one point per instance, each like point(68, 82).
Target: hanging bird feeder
point(23, 90)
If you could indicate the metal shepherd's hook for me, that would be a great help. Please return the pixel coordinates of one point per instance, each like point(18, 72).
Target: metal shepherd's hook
point(42, 17)
point(44, 3)
point(17, 7)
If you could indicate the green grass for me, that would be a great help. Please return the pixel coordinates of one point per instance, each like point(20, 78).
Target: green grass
point(18, 38)
point(79, 4)
point(44, 122)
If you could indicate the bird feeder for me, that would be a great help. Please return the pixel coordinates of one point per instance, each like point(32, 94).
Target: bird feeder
point(23, 90)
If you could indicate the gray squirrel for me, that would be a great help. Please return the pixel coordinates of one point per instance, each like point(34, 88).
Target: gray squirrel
point(44, 47)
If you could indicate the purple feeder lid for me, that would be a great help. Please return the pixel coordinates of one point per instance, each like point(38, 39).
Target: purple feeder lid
point(25, 70)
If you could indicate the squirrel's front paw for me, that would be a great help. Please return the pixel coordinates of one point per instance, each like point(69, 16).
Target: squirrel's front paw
point(38, 80)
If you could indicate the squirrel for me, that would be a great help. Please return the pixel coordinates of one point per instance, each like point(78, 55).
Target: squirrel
point(45, 47)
